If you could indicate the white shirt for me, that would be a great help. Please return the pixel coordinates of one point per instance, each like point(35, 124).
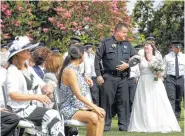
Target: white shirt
point(169, 62)
point(42, 68)
point(2, 83)
point(134, 71)
point(16, 83)
point(89, 65)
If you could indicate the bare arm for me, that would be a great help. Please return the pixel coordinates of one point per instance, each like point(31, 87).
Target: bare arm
point(71, 80)
point(16, 96)
point(22, 97)
point(73, 83)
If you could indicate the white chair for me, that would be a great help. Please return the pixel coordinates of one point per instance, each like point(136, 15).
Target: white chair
point(71, 123)
point(29, 126)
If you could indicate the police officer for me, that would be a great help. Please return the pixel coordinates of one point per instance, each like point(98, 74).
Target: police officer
point(89, 72)
point(73, 40)
point(115, 53)
point(175, 71)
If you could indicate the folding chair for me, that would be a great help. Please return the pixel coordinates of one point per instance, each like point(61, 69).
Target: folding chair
point(29, 126)
point(71, 123)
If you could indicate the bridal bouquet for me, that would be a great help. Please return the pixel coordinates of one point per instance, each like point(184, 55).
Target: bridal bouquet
point(157, 67)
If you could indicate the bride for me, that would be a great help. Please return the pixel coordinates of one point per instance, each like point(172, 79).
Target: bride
point(151, 111)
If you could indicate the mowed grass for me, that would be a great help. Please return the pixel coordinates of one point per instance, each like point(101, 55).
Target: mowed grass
point(115, 132)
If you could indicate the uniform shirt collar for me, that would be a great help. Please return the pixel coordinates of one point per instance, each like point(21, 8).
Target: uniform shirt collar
point(179, 54)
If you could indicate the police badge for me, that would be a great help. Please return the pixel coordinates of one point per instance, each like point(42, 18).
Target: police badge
point(114, 46)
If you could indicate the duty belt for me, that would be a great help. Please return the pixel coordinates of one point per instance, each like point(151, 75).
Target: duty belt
point(116, 73)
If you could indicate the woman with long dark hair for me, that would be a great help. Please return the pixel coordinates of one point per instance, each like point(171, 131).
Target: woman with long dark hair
point(76, 103)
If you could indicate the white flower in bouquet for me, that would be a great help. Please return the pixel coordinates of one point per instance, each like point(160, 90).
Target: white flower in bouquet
point(157, 67)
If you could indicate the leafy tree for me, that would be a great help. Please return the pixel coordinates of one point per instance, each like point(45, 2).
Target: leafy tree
point(166, 23)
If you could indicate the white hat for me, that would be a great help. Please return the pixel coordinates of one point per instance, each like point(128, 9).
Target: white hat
point(19, 44)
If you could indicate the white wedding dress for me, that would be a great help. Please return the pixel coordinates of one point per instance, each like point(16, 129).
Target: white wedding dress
point(152, 111)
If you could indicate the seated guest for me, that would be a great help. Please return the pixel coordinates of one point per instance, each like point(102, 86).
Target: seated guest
point(22, 83)
point(52, 65)
point(9, 122)
point(31, 62)
point(75, 104)
point(39, 56)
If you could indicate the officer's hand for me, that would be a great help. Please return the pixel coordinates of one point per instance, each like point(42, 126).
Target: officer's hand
point(123, 66)
point(100, 80)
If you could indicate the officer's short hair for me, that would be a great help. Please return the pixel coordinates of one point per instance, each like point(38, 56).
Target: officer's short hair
point(119, 26)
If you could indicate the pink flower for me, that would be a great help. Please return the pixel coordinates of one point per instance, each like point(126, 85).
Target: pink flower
point(74, 23)
point(4, 7)
point(19, 8)
point(17, 23)
point(6, 36)
point(86, 19)
point(1, 26)
point(62, 28)
point(79, 27)
point(1, 21)
point(45, 30)
point(59, 25)
point(86, 7)
point(8, 13)
point(67, 15)
point(96, 1)
point(51, 19)
point(60, 9)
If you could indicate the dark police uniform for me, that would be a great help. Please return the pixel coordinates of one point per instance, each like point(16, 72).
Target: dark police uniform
point(174, 81)
point(112, 52)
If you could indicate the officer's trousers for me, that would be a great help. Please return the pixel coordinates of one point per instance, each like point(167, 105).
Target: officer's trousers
point(95, 92)
point(115, 86)
point(175, 89)
point(9, 122)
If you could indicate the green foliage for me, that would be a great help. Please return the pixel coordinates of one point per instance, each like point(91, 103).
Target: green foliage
point(166, 23)
point(53, 22)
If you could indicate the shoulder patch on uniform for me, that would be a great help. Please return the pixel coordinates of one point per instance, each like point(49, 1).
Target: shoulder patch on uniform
point(106, 39)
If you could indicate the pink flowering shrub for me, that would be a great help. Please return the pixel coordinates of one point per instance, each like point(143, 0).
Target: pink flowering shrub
point(54, 22)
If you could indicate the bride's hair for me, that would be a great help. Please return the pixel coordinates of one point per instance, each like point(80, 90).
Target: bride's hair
point(153, 47)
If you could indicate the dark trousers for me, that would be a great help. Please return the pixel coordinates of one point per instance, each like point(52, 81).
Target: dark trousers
point(95, 92)
point(9, 122)
point(175, 89)
point(115, 86)
point(132, 85)
point(132, 90)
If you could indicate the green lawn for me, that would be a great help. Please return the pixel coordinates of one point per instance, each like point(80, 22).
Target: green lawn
point(115, 132)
